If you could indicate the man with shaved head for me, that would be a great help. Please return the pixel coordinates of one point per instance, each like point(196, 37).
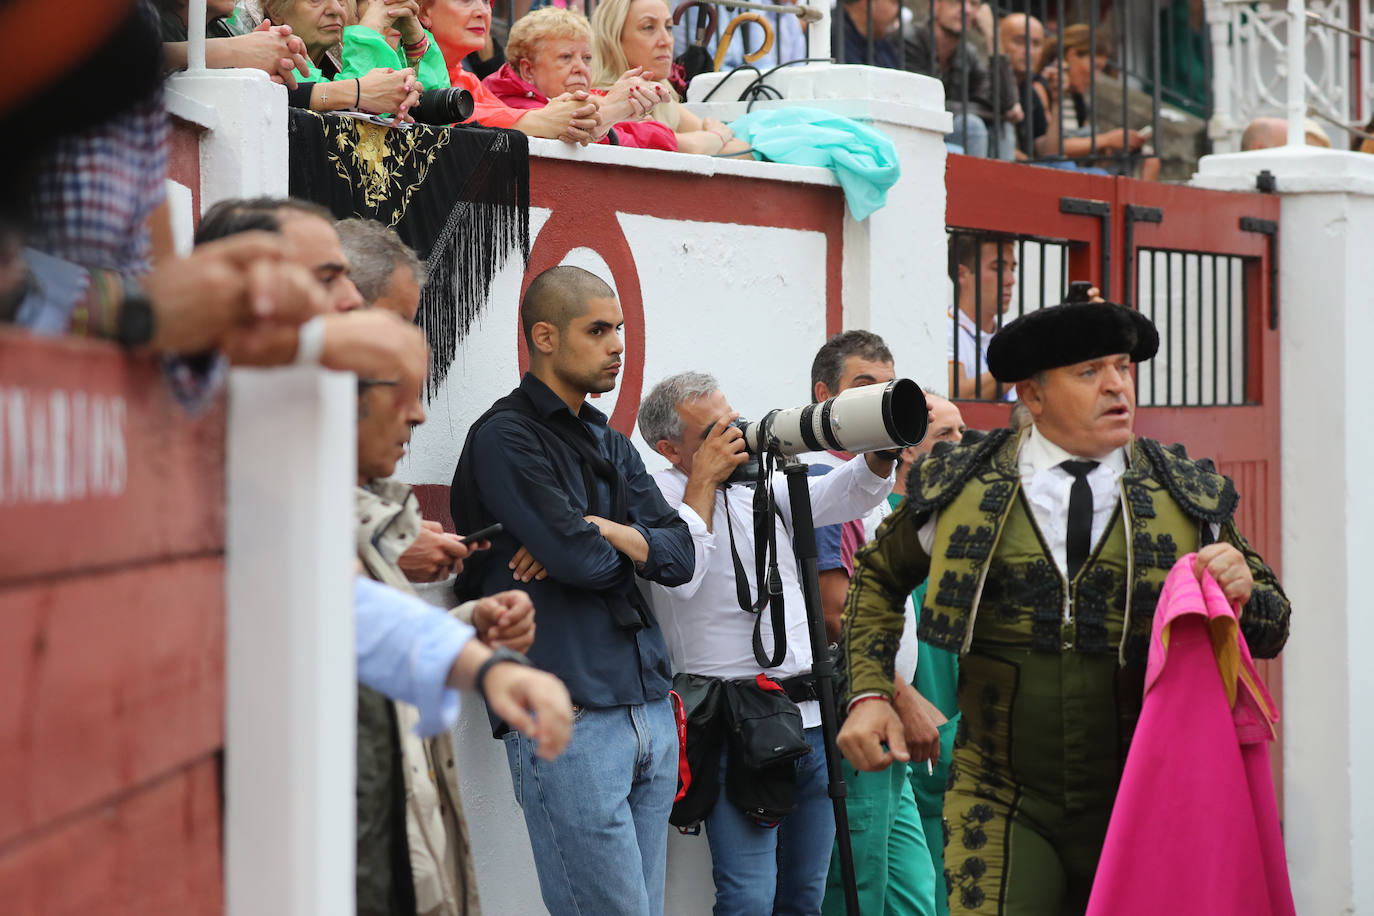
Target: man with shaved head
point(581, 518)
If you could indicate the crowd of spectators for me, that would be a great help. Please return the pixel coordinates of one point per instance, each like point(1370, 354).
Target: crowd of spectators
point(617, 78)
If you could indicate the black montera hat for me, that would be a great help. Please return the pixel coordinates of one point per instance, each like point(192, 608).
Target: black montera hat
point(1062, 335)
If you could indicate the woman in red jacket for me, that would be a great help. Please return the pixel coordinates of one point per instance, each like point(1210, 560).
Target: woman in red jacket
point(549, 53)
point(461, 27)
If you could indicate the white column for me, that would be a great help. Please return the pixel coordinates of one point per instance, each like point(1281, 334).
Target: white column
point(195, 35)
point(1326, 301)
point(1297, 73)
point(1222, 129)
point(290, 672)
point(894, 261)
point(244, 154)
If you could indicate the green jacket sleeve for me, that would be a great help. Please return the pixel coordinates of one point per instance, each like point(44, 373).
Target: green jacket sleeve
point(885, 571)
point(433, 70)
point(364, 50)
point(1264, 618)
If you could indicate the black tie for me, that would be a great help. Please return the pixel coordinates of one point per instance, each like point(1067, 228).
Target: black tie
point(1080, 535)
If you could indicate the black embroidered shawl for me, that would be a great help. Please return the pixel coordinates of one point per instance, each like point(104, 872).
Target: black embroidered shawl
point(459, 196)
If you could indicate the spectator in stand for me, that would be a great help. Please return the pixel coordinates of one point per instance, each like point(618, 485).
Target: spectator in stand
point(581, 518)
point(388, 33)
point(852, 28)
point(462, 27)
point(1081, 139)
point(758, 867)
point(320, 25)
point(271, 48)
point(1022, 37)
point(639, 33)
point(549, 53)
point(983, 271)
point(407, 788)
point(1268, 133)
point(939, 47)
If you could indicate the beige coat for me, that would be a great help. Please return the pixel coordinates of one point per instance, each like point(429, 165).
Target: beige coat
point(388, 518)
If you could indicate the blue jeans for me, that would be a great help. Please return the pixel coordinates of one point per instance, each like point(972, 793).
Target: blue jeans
point(598, 815)
point(970, 133)
point(762, 870)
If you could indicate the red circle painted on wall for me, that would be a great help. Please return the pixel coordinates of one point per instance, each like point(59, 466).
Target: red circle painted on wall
point(599, 231)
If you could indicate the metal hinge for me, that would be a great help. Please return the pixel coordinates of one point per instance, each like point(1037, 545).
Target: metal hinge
point(1078, 206)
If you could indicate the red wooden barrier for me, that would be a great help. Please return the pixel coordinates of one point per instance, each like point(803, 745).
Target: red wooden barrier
point(112, 659)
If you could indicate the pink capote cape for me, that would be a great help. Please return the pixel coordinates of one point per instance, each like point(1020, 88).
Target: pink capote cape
point(1195, 828)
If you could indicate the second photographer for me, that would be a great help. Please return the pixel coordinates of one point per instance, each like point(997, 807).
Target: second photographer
point(710, 627)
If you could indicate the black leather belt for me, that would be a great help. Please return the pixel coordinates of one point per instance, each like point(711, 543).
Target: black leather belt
point(800, 688)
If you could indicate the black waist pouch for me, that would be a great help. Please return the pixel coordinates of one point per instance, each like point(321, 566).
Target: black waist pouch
point(765, 725)
point(703, 704)
point(766, 739)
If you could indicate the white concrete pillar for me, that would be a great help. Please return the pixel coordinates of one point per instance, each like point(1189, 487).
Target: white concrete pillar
point(894, 261)
point(243, 154)
point(1326, 301)
point(1222, 129)
point(290, 672)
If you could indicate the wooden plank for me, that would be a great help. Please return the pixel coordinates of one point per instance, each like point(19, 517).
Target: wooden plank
point(99, 465)
point(154, 851)
point(106, 681)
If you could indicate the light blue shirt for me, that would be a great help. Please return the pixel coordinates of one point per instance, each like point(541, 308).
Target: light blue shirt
point(406, 648)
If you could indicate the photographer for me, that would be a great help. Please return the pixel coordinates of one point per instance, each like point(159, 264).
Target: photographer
point(686, 419)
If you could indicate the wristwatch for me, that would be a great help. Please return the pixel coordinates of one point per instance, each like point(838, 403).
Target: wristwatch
point(498, 655)
point(136, 322)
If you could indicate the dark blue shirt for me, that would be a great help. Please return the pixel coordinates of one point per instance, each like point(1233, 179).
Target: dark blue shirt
point(855, 43)
point(536, 490)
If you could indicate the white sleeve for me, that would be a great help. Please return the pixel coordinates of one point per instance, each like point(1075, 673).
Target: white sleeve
point(850, 491)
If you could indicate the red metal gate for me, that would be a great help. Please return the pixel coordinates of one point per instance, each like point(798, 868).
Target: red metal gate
point(1215, 383)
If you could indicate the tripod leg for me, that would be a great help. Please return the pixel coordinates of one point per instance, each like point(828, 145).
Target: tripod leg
point(804, 544)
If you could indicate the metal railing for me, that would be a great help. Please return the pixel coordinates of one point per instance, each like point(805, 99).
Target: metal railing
point(1198, 302)
point(1137, 63)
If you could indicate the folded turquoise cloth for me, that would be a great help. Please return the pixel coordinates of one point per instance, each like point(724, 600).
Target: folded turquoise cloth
point(863, 159)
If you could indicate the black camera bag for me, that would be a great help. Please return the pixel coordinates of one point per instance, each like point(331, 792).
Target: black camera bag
point(703, 703)
point(767, 795)
point(765, 725)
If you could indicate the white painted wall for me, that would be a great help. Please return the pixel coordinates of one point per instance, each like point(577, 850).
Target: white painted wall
point(1327, 320)
point(746, 304)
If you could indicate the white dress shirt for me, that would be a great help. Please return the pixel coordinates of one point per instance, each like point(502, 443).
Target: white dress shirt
point(907, 654)
point(1046, 487)
point(702, 623)
point(973, 350)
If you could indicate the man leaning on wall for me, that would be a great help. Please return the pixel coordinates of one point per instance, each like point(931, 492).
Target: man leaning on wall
point(581, 518)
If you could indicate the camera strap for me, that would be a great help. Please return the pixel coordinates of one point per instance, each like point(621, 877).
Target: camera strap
point(766, 574)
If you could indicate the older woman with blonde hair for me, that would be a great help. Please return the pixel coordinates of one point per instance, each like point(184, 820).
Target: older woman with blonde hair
point(549, 53)
point(639, 33)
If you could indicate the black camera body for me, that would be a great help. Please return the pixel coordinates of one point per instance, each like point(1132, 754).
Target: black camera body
point(443, 106)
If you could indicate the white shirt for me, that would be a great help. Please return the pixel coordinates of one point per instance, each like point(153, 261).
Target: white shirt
point(973, 349)
point(906, 648)
point(702, 623)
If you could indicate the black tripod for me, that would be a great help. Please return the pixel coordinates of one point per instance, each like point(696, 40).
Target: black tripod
point(804, 545)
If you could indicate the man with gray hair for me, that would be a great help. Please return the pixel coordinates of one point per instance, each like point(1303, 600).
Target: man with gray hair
point(384, 268)
point(759, 866)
